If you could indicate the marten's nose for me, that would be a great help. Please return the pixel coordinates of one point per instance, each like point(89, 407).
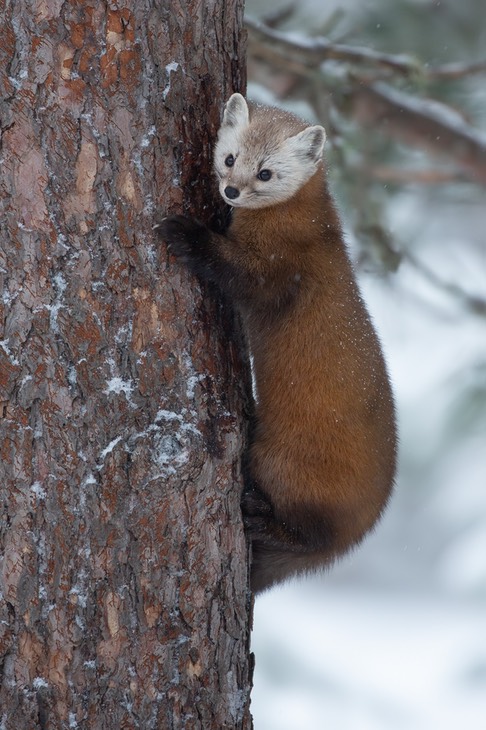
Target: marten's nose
point(231, 193)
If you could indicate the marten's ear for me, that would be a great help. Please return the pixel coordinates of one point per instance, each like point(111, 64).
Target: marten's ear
point(309, 143)
point(236, 112)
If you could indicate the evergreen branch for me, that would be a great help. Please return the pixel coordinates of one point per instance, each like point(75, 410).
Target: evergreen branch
point(313, 51)
point(429, 124)
point(450, 71)
point(426, 123)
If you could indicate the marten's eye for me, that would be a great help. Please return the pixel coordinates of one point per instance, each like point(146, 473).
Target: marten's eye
point(264, 175)
point(229, 161)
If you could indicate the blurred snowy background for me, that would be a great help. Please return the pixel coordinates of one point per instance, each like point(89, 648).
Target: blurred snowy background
point(394, 637)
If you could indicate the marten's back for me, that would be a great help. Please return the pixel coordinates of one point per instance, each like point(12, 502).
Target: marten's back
point(324, 447)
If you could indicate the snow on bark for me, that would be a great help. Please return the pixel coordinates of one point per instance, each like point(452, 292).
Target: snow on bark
point(123, 574)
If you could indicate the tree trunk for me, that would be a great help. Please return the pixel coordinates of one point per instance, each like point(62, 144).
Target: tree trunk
point(124, 577)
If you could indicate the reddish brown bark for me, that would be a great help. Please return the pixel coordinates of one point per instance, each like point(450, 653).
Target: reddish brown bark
point(124, 579)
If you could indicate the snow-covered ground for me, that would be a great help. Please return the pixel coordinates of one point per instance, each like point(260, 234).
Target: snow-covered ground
point(355, 659)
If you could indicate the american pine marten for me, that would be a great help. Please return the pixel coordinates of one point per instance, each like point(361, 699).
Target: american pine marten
point(323, 449)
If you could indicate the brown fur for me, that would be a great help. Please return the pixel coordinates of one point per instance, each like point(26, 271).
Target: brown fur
point(325, 439)
point(322, 457)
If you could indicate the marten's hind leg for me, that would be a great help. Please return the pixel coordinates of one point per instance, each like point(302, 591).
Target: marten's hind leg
point(282, 547)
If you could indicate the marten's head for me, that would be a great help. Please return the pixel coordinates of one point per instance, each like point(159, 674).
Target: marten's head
point(264, 155)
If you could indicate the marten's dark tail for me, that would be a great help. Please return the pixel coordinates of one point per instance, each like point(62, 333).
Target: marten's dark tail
point(270, 566)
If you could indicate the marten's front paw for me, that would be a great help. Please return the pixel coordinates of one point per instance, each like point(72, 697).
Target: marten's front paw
point(183, 235)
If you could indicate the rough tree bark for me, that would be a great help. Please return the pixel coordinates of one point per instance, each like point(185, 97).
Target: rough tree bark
point(124, 600)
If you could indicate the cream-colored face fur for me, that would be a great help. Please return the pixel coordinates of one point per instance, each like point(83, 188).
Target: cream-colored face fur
point(271, 142)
